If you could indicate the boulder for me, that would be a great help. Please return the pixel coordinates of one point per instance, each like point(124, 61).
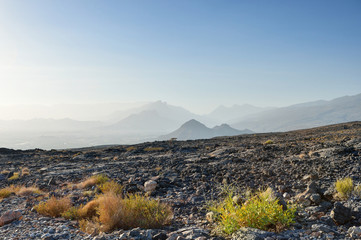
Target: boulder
point(341, 214)
point(150, 186)
point(9, 217)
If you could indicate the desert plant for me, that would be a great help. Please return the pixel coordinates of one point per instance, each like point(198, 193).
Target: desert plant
point(268, 142)
point(132, 211)
point(54, 207)
point(259, 210)
point(344, 187)
point(93, 180)
point(153, 149)
point(72, 213)
point(26, 191)
point(15, 176)
point(25, 171)
point(111, 187)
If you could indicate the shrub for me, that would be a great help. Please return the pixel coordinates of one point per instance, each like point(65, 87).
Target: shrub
point(153, 149)
point(260, 211)
point(26, 191)
point(54, 207)
point(110, 211)
point(111, 187)
point(25, 171)
point(93, 180)
point(268, 142)
point(131, 212)
point(72, 213)
point(18, 190)
point(90, 209)
point(5, 192)
point(344, 187)
point(15, 176)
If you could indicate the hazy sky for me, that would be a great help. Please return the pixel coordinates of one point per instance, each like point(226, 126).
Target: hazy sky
point(193, 53)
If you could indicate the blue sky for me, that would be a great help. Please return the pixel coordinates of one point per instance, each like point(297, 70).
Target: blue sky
point(193, 53)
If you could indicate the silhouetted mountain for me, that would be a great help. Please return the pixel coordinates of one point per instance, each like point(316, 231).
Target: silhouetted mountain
point(195, 130)
point(306, 115)
point(145, 121)
point(226, 130)
point(177, 114)
point(235, 112)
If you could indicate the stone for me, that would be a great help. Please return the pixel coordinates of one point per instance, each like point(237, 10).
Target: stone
point(354, 232)
point(341, 214)
point(150, 186)
point(9, 217)
point(250, 234)
point(160, 236)
point(237, 199)
point(321, 227)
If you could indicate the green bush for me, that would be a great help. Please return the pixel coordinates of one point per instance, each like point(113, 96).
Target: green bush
point(344, 187)
point(258, 211)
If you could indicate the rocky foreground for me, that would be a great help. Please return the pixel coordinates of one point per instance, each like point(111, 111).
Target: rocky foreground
point(301, 165)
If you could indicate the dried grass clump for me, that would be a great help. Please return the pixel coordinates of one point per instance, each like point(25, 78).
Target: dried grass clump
point(25, 171)
point(110, 211)
point(54, 207)
point(93, 180)
point(131, 212)
point(26, 191)
point(112, 187)
point(344, 187)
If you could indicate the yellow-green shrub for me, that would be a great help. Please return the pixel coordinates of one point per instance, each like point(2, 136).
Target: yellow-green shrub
point(111, 187)
point(344, 187)
point(15, 176)
point(268, 142)
point(258, 211)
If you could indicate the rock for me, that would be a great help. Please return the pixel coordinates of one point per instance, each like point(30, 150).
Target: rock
point(210, 216)
point(2, 177)
point(150, 186)
point(250, 234)
point(341, 214)
point(10, 216)
point(160, 236)
point(355, 232)
point(315, 198)
point(237, 199)
point(322, 228)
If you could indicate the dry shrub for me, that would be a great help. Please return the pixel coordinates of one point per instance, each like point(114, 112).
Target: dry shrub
point(25, 171)
point(90, 226)
point(7, 191)
point(131, 212)
point(92, 181)
point(90, 209)
point(112, 187)
point(26, 191)
point(54, 207)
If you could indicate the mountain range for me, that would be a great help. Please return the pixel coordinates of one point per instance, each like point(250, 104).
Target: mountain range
point(151, 120)
point(193, 129)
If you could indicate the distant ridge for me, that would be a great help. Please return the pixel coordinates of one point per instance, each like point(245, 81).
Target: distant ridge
point(193, 129)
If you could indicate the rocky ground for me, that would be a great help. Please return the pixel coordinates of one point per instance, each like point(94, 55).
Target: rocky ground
point(301, 165)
